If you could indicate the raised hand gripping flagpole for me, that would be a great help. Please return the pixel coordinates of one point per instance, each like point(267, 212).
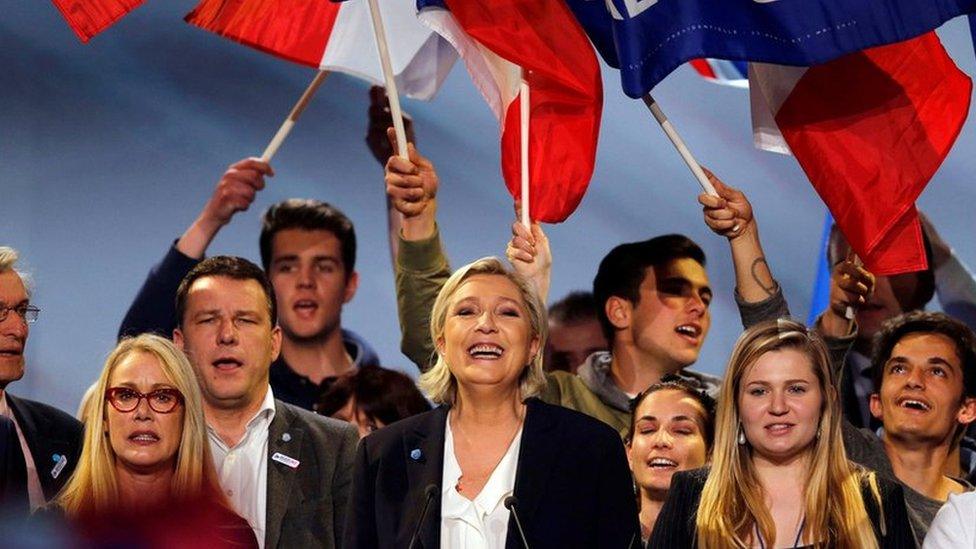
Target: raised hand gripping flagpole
point(679, 144)
point(524, 115)
point(296, 111)
point(391, 90)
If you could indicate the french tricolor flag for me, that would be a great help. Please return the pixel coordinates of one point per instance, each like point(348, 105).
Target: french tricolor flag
point(335, 36)
point(870, 129)
point(540, 42)
point(722, 71)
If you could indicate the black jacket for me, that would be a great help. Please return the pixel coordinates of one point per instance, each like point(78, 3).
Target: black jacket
point(675, 526)
point(54, 439)
point(573, 485)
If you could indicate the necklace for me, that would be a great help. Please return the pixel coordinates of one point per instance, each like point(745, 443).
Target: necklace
point(796, 542)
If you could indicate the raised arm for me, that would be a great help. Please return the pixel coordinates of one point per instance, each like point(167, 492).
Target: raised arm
point(153, 309)
point(757, 293)
point(528, 252)
point(379, 120)
point(421, 265)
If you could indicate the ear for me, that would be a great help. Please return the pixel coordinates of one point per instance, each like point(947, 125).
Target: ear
point(874, 403)
point(351, 286)
point(178, 339)
point(618, 311)
point(629, 450)
point(967, 412)
point(275, 343)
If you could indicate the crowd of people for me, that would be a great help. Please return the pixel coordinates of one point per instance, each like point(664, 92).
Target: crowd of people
point(237, 411)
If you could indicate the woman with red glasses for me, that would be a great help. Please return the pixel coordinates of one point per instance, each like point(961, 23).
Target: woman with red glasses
point(145, 474)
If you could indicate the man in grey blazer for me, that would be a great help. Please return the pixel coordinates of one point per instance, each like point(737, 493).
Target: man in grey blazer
point(285, 470)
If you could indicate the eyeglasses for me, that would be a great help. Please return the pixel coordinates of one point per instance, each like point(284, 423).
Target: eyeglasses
point(27, 313)
point(162, 401)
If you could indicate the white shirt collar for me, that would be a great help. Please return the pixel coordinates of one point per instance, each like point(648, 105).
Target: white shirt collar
point(500, 485)
point(260, 420)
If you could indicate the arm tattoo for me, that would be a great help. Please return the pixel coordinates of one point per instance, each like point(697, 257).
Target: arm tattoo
point(771, 289)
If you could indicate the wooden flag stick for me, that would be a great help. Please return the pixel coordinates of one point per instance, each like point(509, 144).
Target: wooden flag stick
point(296, 111)
point(679, 144)
point(391, 90)
point(524, 133)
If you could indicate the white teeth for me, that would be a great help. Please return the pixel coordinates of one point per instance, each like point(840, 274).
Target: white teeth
point(916, 404)
point(690, 330)
point(145, 438)
point(663, 462)
point(485, 349)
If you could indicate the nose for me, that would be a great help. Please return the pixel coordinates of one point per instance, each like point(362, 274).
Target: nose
point(777, 406)
point(916, 379)
point(696, 304)
point(227, 335)
point(662, 439)
point(306, 278)
point(14, 326)
point(142, 412)
point(486, 323)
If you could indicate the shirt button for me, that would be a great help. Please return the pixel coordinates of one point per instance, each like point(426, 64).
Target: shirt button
point(230, 493)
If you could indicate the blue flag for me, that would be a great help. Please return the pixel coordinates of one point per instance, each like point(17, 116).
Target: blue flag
point(820, 299)
point(647, 39)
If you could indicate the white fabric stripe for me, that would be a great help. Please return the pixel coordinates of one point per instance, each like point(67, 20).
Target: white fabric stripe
point(420, 59)
point(769, 86)
point(497, 79)
point(728, 74)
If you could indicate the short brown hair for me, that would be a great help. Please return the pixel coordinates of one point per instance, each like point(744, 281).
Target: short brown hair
point(236, 268)
point(309, 215)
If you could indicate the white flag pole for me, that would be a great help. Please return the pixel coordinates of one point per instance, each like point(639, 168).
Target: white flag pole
point(391, 90)
point(524, 133)
point(296, 111)
point(679, 144)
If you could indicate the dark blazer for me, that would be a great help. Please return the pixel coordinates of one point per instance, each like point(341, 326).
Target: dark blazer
point(306, 505)
point(52, 436)
point(13, 471)
point(675, 526)
point(572, 484)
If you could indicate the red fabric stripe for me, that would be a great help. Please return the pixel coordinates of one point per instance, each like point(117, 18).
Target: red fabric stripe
point(296, 30)
point(870, 129)
point(90, 17)
point(703, 68)
point(566, 94)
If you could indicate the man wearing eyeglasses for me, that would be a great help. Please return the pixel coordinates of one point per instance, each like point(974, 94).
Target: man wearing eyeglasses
point(49, 438)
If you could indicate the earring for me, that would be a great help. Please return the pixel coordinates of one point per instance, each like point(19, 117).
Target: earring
point(742, 436)
point(819, 431)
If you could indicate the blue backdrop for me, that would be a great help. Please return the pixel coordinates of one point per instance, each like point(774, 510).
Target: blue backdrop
point(108, 151)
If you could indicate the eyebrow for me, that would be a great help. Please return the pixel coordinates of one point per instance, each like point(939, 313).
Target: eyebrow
point(25, 301)
point(503, 298)
point(675, 418)
point(684, 281)
point(294, 257)
point(153, 387)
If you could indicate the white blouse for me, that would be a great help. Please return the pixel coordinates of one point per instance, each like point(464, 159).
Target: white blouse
point(483, 522)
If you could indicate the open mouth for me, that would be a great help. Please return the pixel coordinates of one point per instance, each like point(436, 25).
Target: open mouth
point(305, 306)
point(144, 437)
point(915, 404)
point(779, 428)
point(486, 351)
point(227, 363)
point(661, 463)
point(12, 352)
point(690, 331)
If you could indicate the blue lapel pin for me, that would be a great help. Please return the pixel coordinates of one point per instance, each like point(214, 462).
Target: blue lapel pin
point(416, 454)
point(60, 462)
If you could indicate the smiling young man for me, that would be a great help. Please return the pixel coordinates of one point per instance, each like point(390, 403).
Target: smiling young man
point(308, 249)
point(653, 296)
point(924, 371)
point(286, 470)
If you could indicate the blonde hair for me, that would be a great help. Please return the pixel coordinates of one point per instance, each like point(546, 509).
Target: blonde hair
point(438, 383)
point(93, 487)
point(732, 501)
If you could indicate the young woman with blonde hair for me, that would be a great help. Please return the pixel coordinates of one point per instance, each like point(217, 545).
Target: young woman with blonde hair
point(145, 471)
point(779, 475)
